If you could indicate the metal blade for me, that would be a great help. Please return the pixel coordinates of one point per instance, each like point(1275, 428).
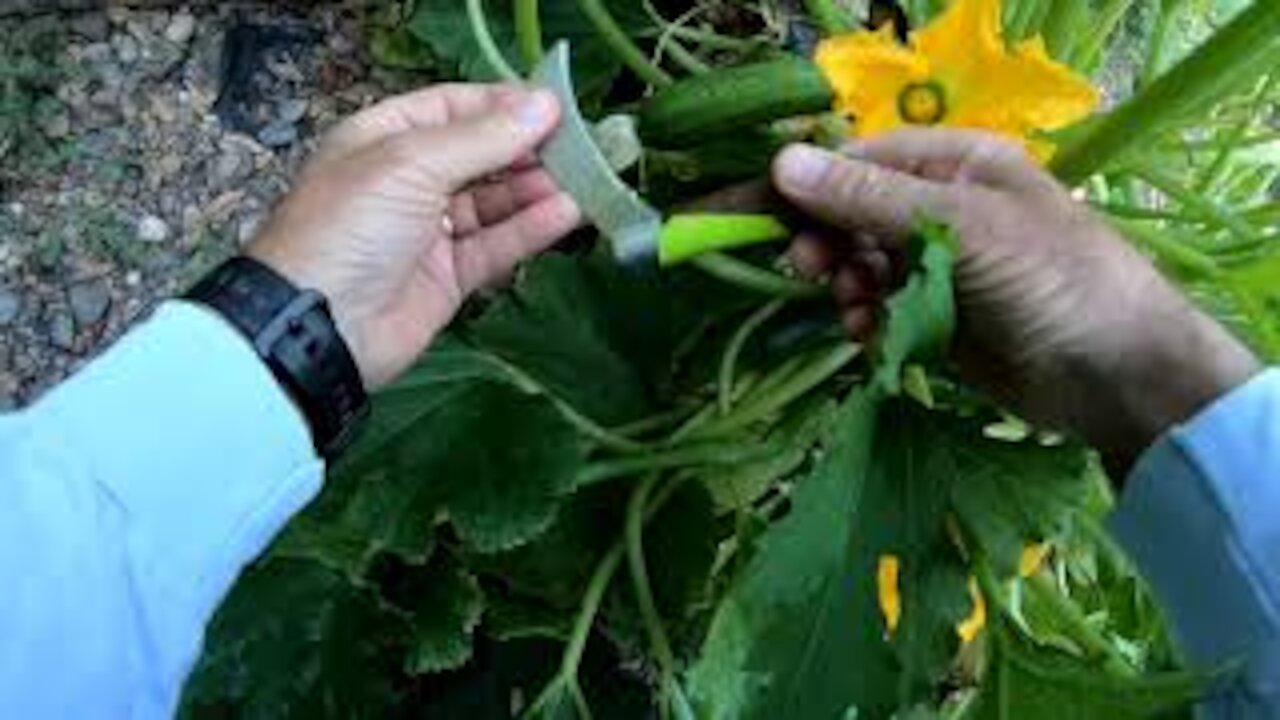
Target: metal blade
point(572, 158)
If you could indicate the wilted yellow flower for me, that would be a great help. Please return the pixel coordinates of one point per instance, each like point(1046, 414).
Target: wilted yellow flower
point(969, 628)
point(956, 72)
point(1033, 557)
point(889, 592)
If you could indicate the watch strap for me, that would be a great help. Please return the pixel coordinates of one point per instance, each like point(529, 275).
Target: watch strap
point(294, 333)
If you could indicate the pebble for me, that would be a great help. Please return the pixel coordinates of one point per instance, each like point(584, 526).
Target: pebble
point(232, 167)
point(126, 48)
point(278, 134)
point(181, 28)
point(292, 111)
point(152, 229)
point(89, 302)
point(91, 26)
point(58, 126)
point(10, 306)
point(249, 226)
point(62, 332)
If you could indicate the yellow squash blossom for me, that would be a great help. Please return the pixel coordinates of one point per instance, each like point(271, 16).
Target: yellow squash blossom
point(969, 628)
point(956, 72)
point(1032, 559)
point(889, 592)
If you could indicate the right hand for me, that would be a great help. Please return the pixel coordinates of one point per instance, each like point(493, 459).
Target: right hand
point(1060, 318)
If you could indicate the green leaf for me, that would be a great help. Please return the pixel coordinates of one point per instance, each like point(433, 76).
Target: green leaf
point(798, 635)
point(443, 26)
point(451, 441)
point(1030, 682)
point(297, 641)
point(921, 316)
point(447, 609)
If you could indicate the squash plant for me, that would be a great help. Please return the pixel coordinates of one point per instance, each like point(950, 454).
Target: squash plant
point(683, 493)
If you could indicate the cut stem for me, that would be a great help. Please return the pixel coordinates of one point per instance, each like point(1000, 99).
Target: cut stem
point(529, 32)
point(752, 278)
point(618, 41)
point(729, 363)
point(488, 47)
point(687, 236)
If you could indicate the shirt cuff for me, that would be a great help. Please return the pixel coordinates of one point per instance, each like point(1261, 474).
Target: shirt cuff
point(203, 453)
point(1199, 518)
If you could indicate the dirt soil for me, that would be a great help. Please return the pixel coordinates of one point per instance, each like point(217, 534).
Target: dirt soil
point(140, 147)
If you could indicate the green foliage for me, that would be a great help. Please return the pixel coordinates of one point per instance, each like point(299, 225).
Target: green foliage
point(624, 493)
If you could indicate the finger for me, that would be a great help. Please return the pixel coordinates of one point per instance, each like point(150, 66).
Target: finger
point(854, 194)
point(852, 285)
point(430, 107)
point(493, 203)
point(456, 155)
point(877, 266)
point(946, 155)
point(493, 252)
point(812, 255)
point(859, 322)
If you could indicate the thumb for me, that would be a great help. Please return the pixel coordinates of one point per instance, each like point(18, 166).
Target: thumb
point(458, 154)
point(854, 194)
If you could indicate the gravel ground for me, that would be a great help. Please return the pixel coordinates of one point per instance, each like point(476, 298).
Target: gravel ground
point(138, 148)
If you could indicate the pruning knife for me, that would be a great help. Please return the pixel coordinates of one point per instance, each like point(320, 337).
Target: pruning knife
point(636, 230)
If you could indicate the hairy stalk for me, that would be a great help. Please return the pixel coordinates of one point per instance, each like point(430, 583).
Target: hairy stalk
point(749, 277)
point(729, 363)
point(1214, 173)
point(488, 47)
point(813, 374)
point(1209, 211)
point(695, 455)
point(644, 591)
point(1235, 56)
point(618, 41)
point(529, 32)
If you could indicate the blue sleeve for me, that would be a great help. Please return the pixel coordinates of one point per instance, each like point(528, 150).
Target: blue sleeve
point(130, 499)
point(1201, 518)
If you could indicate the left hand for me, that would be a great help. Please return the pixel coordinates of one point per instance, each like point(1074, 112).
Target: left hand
point(412, 205)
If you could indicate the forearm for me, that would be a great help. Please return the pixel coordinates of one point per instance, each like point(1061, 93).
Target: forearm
point(1200, 518)
point(141, 487)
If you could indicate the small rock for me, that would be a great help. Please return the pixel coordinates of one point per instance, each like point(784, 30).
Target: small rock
point(10, 306)
point(292, 111)
point(249, 226)
point(62, 332)
point(132, 278)
point(92, 26)
point(169, 165)
point(96, 53)
point(89, 302)
point(181, 28)
point(152, 229)
point(278, 134)
point(232, 167)
point(126, 48)
point(58, 126)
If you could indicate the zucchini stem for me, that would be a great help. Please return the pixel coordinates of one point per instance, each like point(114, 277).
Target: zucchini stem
point(749, 277)
point(688, 236)
point(729, 363)
point(644, 592)
point(529, 32)
point(488, 47)
point(621, 44)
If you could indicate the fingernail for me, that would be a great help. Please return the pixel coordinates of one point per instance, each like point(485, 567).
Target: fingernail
point(536, 110)
point(803, 167)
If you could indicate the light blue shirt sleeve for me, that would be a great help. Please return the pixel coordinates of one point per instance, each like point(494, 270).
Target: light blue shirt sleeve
point(130, 499)
point(1201, 518)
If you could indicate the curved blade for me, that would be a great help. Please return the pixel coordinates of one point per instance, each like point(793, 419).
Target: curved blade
point(572, 158)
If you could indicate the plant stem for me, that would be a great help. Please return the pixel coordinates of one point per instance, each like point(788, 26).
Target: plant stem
point(1089, 52)
point(752, 278)
point(1207, 209)
point(1067, 615)
point(700, 454)
point(618, 41)
point(689, 235)
point(729, 363)
point(529, 32)
point(682, 57)
point(713, 41)
point(484, 38)
point(1169, 252)
point(1169, 10)
point(1237, 54)
point(1213, 174)
point(812, 375)
point(640, 579)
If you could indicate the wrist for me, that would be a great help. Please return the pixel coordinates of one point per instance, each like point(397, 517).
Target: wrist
point(1175, 364)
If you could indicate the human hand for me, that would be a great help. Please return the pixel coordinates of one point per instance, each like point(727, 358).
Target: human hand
point(1059, 317)
point(412, 205)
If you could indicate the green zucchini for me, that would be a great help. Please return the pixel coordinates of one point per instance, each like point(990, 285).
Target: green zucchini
point(707, 106)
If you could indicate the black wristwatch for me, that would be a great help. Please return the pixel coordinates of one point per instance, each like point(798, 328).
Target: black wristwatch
point(293, 332)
